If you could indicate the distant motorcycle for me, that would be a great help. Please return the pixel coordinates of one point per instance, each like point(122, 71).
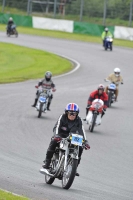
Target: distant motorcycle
point(12, 31)
point(108, 43)
point(64, 162)
point(93, 117)
point(42, 102)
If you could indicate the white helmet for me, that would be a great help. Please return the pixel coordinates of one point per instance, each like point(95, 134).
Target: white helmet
point(106, 29)
point(117, 71)
point(10, 19)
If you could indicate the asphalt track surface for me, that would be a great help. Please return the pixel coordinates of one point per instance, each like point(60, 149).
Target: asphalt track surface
point(106, 170)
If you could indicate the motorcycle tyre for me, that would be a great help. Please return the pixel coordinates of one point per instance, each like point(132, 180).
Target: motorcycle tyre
point(40, 111)
point(72, 175)
point(16, 33)
point(91, 127)
point(111, 47)
point(109, 100)
point(50, 180)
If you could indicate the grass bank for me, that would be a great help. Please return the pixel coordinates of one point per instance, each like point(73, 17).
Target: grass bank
point(21, 63)
point(9, 196)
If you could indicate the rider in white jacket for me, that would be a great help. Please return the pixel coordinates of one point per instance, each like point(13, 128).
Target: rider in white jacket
point(46, 84)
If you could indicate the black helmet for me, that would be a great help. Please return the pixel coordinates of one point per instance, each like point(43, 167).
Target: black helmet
point(48, 75)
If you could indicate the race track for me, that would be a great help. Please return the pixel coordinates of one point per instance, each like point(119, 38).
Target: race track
point(106, 170)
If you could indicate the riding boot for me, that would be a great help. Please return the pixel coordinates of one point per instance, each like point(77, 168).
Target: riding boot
point(47, 161)
point(48, 105)
point(34, 105)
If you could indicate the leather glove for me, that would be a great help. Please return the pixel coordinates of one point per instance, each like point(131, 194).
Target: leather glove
point(57, 138)
point(87, 146)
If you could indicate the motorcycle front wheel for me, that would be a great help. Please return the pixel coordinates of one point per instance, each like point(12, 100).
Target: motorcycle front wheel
point(16, 33)
point(91, 127)
point(111, 47)
point(69, 174)
point(109, 99)
point(40, 110)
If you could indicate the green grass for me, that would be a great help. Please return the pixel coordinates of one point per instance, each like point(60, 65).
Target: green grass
point(9, 196)
point(21, 63)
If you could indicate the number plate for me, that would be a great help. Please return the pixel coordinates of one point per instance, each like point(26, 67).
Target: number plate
point(77, 139)
point(43, 99)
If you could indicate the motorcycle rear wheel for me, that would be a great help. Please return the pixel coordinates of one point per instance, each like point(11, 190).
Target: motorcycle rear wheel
point(68, 177)
point(91, 127)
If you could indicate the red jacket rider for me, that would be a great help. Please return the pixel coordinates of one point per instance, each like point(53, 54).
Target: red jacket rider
point(98, 94)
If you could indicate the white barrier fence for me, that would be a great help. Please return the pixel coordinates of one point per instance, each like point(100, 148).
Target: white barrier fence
point(53, 24)
point(123, 33)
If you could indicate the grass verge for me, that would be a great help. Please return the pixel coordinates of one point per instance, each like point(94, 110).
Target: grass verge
point(21, 63)
point(69, 36)
point(9, 196)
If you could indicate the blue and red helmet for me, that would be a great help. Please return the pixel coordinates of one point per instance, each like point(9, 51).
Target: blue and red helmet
point(73, 107)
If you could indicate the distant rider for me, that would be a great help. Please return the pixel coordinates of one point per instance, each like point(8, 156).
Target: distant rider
point(9, 24)
point(67, 122)
point(98, 94)
point(106, 33)
point(115, 78)
point(46, 84)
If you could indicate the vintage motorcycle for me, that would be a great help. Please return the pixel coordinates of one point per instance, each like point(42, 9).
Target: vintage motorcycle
point(108, 43)
point(12, 31)
point(93, 117)
point(64, 162)
point(42, 102)
point(111, 92)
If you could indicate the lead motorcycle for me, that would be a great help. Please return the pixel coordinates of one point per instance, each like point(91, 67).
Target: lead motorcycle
point(12, 31)
point(94, 115)
point(42, 102)
point(64, 162)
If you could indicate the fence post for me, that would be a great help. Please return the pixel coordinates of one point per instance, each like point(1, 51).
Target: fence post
point(81, 9)
point(131, 12)
point(3, 5)
point(104, 12)
point(55, 3)
point(28, 7)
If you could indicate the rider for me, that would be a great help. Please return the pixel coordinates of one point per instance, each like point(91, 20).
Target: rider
point(115, 78)
point(46, 84)
point(105, 34)
point(9, 24)
point(98, 94)
point(67, 122)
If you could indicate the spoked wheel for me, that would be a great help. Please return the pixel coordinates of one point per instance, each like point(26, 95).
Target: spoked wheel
point(69, 174)
point(91, 127)
point(40, 111)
